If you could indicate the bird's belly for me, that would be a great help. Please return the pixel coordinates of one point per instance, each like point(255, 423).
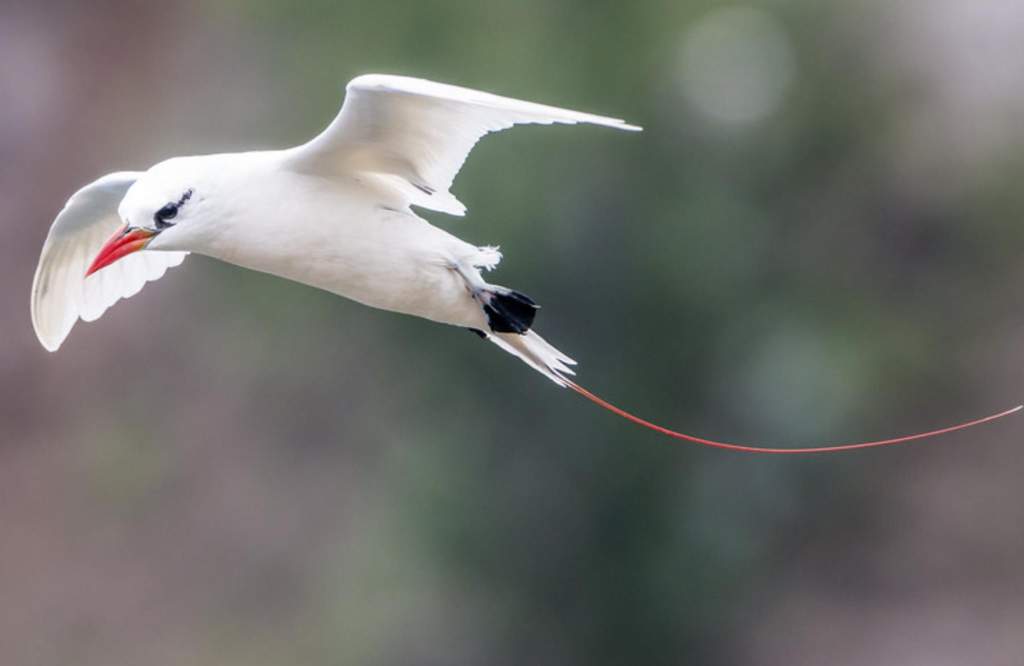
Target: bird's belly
point(402, 282)
point(404, 267)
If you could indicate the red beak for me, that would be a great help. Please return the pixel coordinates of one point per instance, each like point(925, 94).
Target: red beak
point(125, 241)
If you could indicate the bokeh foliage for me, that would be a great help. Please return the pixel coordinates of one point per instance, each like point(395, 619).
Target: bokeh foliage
point(255, 472)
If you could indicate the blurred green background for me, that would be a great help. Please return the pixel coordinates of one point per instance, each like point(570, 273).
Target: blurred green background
point(814, 240)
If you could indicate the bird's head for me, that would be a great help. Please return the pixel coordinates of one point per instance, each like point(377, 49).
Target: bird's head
point(159, 212)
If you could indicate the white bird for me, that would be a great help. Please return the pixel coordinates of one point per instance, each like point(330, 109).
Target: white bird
point(335, 213)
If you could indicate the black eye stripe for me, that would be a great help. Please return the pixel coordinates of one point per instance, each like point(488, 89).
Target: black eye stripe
point(170, 211)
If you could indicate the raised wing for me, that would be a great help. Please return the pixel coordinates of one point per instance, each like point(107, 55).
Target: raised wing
point(417, 133)
point(61, 294)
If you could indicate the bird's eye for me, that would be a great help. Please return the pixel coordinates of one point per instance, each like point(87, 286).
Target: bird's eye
point(163, 216)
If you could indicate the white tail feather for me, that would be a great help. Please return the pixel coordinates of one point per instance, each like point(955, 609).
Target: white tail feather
point(537, 353)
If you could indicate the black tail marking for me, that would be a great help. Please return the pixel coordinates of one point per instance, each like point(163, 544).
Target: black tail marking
point(509, 311)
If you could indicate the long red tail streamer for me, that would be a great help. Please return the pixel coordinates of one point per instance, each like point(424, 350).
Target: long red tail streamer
point(601, 402)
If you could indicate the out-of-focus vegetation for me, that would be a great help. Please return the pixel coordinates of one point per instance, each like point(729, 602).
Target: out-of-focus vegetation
point(815, 239)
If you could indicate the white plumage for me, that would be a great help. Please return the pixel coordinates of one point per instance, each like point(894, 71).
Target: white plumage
point(60, 292)
point(334, 213)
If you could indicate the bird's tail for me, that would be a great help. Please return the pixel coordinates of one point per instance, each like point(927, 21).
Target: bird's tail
point(510, 315)
point(537, 353)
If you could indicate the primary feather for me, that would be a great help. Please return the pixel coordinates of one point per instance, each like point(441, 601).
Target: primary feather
point(419, 133)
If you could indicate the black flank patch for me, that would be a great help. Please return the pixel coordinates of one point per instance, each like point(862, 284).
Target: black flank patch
point(510, 312)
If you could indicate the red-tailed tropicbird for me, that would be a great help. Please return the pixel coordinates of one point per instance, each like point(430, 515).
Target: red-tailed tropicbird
point(334, 213)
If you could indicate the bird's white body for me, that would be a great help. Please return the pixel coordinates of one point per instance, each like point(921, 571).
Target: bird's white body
point(397, 262)
point(334, 213)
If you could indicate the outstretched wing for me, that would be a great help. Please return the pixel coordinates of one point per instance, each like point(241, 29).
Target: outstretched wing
point(418, 133)
point(61, 294)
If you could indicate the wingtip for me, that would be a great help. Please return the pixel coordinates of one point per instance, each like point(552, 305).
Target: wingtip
point(49, 344)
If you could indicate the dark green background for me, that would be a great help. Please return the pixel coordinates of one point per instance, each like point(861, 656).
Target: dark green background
point(233, 469)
